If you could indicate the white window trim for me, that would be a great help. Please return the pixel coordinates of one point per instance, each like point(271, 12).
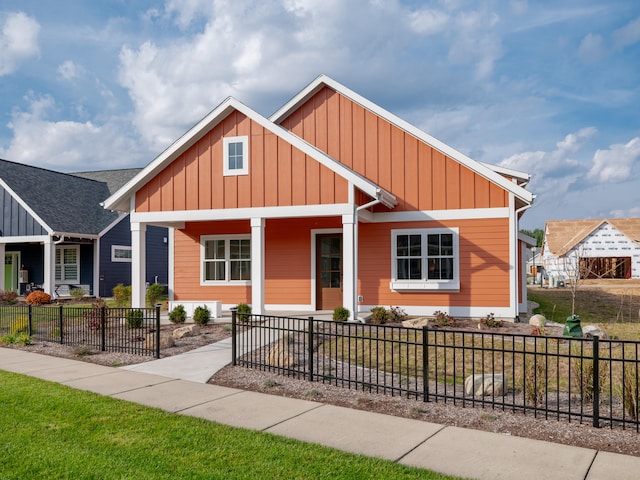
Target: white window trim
point(61, 248)
point(245, 156)
point(119, 259)
point(226, 282)
point(424, 284)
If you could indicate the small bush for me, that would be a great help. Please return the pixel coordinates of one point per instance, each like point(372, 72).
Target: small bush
point(201, 315)
point(584, 371)
point(535, 380)
point(77, 294)
point(122, 295)
point(7, 339)
point(8, 298)
point(135, 318)
point(379, 315)
point(244, 312)
point(24, 339)
point(19, 325)
point(154, 293)
point(630, 396)
point(490, 322)
point(178, 314)
point(442, 319)
point(341, 314)
point(38, 298)
point(82, 350)
point(397, 314)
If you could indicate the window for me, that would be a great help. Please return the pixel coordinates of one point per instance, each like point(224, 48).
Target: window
point(236, 155)
point(68, 264)
point(226, 260)
point(120, 253)
point(425, 259)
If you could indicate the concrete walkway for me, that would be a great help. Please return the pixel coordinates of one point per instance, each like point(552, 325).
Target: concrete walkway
point(449, 450)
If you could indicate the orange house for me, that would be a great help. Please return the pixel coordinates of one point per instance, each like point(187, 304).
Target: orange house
point(332, 201)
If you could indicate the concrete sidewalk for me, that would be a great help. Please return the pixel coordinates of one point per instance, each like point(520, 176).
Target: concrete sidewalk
point(449, 450)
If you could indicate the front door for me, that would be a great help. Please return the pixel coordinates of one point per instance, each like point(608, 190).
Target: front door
point(328, 271)
point(11, 272)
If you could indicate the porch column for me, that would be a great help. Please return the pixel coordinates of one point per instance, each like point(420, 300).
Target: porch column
point(257, 265)
point(138, 264)
point(349, 266)
point(49, 280)
point(2, 252)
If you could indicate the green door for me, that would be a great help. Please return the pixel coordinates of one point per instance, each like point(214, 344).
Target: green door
point(10, 272)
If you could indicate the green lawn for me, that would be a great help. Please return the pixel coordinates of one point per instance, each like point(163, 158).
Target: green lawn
point(51, 431)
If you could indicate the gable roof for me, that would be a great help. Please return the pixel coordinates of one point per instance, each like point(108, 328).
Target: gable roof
point(491, 173)
point(561, 236)
point(120, 199)
point(113, 178)
point(61, 202)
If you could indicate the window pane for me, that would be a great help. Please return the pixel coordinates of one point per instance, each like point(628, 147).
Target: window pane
point(335, 246)
point(335, 263)
point(335, 279)
point(214, 271)
point(235, 156)
point(434, 269)
point(70, 273)
point(415, 269)
point(325, 263)
point(446, 269)
point(234, 249)
point(446, 244)
point(402, 245)
point(58, 272)
point(402, 269)
point(415, 245)
point(324, 279)
point(245, 249)
point(434, 244)
point(70, 255)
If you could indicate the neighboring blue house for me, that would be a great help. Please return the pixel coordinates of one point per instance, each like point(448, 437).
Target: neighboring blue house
point(54, 233)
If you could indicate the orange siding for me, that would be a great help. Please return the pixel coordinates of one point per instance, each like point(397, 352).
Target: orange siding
point(279, 174)
point(388, 156)
point(484, 265)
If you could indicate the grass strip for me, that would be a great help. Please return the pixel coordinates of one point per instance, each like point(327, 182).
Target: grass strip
point(52, 431)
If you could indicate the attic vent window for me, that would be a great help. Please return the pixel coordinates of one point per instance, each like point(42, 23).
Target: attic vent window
point(236, 155)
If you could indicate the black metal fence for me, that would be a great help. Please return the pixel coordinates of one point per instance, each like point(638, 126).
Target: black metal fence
point(574, 379)
point(126, 330)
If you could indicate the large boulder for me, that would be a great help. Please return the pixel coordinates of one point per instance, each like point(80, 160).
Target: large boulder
point(537, 320)
point(166, 340)
point(187, 331)
point(589, 331)
point(416, 322)
point(485, 384)
point(280, 356)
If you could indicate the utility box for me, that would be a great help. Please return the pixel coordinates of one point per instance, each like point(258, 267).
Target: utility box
point(23, 275)
point(572, 327)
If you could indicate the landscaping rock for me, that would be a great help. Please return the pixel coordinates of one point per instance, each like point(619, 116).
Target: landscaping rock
point(166, 340)
point(589, 331)
point(187, 331)
point(480, 385)
point(279, 356)
point(537, 320)
point(416, 322)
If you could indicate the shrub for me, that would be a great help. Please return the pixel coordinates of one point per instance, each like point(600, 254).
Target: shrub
point(122, 295)
point(535, 380)
point(379, 315)
point(135, 318)
point(8, 298)
point(94, 316)
point(201, 315)
point(490, 322)
point(178, 314)
point(630, 395)
point(397, 314)
point(77, 293)
point(19, 325)
point(341, 314)
point(38, 298)
point(154, 293)
point(244, 312)
point(442, 319)
point(584, 373)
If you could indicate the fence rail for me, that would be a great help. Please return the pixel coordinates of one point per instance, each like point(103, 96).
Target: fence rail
point(125, 330)
point(575, 379)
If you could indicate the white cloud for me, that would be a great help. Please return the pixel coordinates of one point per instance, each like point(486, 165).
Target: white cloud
point(69, 70)
point(428, 21)
point(616, 163)
point(18, 41)
point(627, 35)
point(592, 48)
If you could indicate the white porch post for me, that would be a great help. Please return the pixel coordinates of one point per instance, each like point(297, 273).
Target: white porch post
point(257, 265)
point(138, 264)
point(2, 253)
point(349, 269)
point(49, 267)
point(96, 269)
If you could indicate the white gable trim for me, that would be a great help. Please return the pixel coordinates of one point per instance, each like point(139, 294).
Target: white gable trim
point(481, 169)
point(24, 205)
point(120, 199)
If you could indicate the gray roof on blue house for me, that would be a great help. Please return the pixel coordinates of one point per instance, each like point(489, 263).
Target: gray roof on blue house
point(66, 203)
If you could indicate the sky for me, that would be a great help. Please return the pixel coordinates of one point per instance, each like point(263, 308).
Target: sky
point(550, 88)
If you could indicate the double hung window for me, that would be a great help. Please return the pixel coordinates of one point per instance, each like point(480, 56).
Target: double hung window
point(68, 264)
point(236, 155)
point(226, 260)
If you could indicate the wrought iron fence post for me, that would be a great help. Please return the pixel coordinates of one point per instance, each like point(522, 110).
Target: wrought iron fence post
point(310, 342)
point(425, 367)
point(596, 382)
point(61, 322)
point(30, 316)
point(157, 352)
point(233, 337)
point(103, 328)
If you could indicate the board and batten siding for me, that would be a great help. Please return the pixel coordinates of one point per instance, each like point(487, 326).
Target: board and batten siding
point(484, 265)
point(16, 221)
point(279, 175)
point(421, 177)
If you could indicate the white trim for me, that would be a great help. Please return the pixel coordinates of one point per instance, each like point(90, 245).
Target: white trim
point(227, 270)
point(226, 170)
point(139, 264)
point(120, 200)
point(292, 307)
point(24, 205)
point(477, 167)
point(25, 239)
point(105, 230)
point(328, 210)
point(439, 215)
point(314, 233)
point(425, 284)
point(513, 258)
point(171, 263)
point(257, 258)
point(62, 264)
point(127, 248)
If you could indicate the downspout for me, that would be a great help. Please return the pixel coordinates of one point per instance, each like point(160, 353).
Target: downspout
point(356, 252)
